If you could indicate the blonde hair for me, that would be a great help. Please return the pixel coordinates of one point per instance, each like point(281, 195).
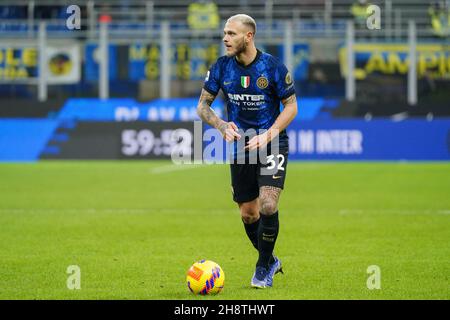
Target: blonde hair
point(245, 20)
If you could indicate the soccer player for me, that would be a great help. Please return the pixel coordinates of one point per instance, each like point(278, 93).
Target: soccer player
point(253, 83)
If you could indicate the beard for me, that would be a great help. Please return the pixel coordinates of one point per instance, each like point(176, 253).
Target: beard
point(240, 48)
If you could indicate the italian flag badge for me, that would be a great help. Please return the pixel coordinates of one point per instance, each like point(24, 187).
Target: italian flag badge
point(245, 81)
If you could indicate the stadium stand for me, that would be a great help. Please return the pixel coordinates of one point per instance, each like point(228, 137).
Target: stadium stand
point(320, 24)
point(319, 14)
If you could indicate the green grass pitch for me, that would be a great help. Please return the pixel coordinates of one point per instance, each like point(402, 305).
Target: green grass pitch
point(134, 228)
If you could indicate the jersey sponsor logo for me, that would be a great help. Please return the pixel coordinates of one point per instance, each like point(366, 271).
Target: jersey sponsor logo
point(245, 81)
point(245, 97)
point(262, 82)
point(225, 83)
point(288, 78)
point(250, 102)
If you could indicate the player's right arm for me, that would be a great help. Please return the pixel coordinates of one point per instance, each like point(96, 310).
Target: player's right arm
point(204, 111)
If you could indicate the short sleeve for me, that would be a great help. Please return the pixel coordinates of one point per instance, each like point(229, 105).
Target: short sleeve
point(212, 81)
point(284, 83)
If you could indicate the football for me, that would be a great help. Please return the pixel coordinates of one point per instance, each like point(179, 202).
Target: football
point(205, 277)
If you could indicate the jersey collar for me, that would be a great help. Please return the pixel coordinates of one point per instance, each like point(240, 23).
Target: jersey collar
point(258, 54)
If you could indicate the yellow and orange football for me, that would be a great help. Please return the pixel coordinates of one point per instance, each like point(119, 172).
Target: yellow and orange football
point(205, 277)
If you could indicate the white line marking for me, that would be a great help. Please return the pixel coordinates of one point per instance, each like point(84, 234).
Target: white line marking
point(392, 211)
point(119, 210)
point(73, 210)
point(174, 167)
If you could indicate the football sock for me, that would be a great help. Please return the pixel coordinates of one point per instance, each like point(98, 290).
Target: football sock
point(252, 232)
point(267, 236)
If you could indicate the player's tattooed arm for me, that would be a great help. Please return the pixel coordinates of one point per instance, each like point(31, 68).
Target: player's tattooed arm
point(204, 111)
point(268, 199)
point(292, 99)
point(286, 116)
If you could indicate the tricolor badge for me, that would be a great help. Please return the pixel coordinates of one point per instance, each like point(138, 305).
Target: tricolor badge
point(245, 81)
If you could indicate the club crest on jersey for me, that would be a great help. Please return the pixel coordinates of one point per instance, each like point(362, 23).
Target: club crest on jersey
point(245, 81)
point(262, 82)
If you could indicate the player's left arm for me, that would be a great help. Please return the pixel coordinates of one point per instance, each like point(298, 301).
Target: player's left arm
point(284, 118)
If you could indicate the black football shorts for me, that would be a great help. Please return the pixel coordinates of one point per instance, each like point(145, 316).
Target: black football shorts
point(246, 179)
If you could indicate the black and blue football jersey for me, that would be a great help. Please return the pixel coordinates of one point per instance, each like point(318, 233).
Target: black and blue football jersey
point(253, 92)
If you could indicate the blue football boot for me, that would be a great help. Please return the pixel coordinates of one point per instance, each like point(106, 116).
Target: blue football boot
point(274, 268)
point(260, 278)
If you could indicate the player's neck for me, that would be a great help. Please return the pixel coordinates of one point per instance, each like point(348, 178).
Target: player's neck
point(248, 56)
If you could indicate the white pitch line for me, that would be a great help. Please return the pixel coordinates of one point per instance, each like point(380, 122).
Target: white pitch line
point(392, 211)
point(119, 210)
point(174, 167)
point(75, 211)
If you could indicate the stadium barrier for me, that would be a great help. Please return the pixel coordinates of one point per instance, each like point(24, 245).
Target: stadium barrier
point(379, 139)
point(176, 109)
point(129, 129)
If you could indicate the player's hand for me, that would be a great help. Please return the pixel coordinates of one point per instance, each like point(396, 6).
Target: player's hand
point(258, 141)
point(229, 131)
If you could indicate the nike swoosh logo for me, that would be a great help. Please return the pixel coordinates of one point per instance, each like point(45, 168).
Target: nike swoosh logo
point(268, 235)
point(227, 83)
point(276, 177)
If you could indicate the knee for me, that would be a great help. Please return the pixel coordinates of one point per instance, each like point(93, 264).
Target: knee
point(249, 214)
point(268, 206)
